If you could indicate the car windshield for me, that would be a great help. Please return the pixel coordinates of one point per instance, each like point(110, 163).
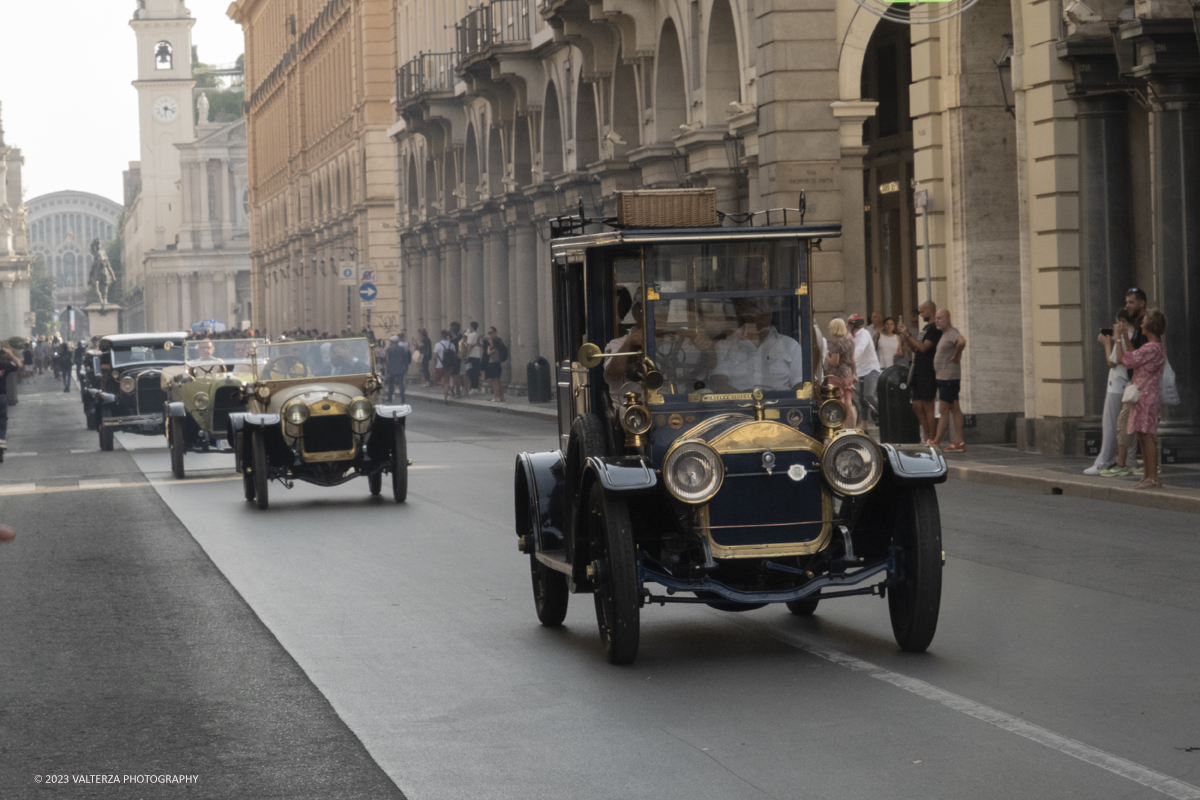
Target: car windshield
point(169, 352)
point(724, 316)
point(291, 360)
point(234, 355)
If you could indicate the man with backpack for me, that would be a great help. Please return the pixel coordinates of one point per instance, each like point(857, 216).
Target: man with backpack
point(446, 364)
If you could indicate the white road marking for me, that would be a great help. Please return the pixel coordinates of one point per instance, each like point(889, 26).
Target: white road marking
point(1035, 733)
point(19, 455)
point(18, 488)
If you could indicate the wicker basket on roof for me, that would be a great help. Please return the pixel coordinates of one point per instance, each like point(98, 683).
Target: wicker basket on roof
point(667, 208)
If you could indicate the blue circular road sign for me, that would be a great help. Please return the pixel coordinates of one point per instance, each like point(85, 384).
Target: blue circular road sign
point(367, 291)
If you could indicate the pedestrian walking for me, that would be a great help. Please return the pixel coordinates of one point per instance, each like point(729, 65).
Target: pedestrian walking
point(923, 346)
point(64, 361)
point(456, 377)
point(80, 352)
point(866, 363)
point(8, 365)
point(1147, 363)
point(888, 346)
point(27, 357)
point(1118, 378)
point(947, 366)
point(839, 366)
point(497, 354)
point(398, 359)
point(425, 349)
point(39, 355)
point(445, 356)
point(1131, 338)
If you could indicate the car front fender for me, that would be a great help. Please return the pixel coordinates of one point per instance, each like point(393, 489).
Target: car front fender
point(628, 474)
point(915, 463)
point(258, 420)
point(105, 397)
point(393, 412)
point(176, 410)
point(538, 487)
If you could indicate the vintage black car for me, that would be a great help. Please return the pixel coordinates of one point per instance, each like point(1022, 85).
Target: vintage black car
point(314, 415)
point(130, 396)
point(697, 462)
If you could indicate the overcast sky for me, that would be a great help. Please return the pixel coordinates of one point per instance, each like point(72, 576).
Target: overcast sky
point(65, 73)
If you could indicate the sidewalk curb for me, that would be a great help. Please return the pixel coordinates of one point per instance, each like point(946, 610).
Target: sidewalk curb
point(1050, 482)
point(532, 412)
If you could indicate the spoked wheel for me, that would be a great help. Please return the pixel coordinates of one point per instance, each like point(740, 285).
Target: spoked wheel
point(375, 483)
point(400, 465)
point(106, 437)
point(915, 602)
point(614, 574)
point(175, 441)
point(804, 607)
point(258, 460)
point(550, 593)
point(587, 439)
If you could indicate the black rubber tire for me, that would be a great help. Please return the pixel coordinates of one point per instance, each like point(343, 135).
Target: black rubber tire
point(914, 603)
point(106, 438)
point(258, 459)
point(89, 411)
point(804, 607)
point(618, 614)
point(400, 465)
point(375, 483)
point(175, 442)
point(587, 438)
point(248, 484)
point(550, 593)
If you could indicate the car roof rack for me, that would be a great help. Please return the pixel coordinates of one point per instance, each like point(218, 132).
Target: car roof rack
point(661, 208)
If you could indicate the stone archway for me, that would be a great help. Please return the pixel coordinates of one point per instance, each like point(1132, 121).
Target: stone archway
point(431, 188)
point(626, 121)
point(450, 176)
point(552, 141)
point(495, 163)
point(522, 152)
point(670, 86)
point(414, 195)
point(587, 127)
point(471, 168)
point(722, 75)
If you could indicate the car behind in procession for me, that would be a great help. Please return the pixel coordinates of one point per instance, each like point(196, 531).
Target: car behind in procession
point(203, 392)
point(697, 461)
point(129, 394)
point(313, 415)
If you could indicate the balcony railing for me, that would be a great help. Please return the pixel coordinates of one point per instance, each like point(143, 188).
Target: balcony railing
point(499, 22)
point(428, 72)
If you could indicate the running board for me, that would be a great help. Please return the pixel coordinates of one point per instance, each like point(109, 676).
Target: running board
point(555, 560)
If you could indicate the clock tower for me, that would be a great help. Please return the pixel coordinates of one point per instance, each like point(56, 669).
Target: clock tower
point(164, 85)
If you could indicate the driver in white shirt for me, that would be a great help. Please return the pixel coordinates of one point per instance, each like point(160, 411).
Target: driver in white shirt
point(756, 355)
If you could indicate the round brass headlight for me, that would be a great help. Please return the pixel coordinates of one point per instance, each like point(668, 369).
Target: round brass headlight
point(263, 392)
point(200, 400)
point(128, 384)
point(635, 419)
point(832, 413)
point(852, 463)
point(360, 409)
point(295, 412)
point(693, 472)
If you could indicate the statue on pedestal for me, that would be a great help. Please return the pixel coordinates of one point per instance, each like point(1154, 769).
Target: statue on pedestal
point(102, 275)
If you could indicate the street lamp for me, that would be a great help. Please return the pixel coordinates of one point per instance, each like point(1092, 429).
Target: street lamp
point(1004, 62)
point(735, 151)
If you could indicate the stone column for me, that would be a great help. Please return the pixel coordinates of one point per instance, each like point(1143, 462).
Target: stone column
point(1105, 243)
point(473, 287)
point(202, 218)
point(1168, 60)
point(1176, 177)
point(432, 301)
point(523, 289)
point(452, 274)
point(413, 264)
point(496, 310)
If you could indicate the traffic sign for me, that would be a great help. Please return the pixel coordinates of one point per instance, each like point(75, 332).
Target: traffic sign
point(366, 273)
point(30, 319)
point(366, 305)
point(347, 273)
point(367, 292)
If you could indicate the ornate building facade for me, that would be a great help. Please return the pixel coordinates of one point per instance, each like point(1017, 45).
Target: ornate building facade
point(319, 78)
point(513, 111)
point(14, 247)
point(62, 226)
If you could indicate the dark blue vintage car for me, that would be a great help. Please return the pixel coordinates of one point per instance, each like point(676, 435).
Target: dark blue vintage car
point(697, 461)
point(130, 393)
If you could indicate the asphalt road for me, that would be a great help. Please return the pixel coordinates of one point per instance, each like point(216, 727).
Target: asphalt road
point(1064, 665)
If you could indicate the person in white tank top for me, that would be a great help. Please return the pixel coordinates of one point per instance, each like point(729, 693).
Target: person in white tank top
point(888, 348)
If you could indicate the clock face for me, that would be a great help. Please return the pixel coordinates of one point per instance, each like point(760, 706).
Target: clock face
point(165, 109)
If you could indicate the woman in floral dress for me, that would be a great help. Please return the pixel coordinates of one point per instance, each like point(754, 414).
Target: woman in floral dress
point(839, 367)
point(1147, 364)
